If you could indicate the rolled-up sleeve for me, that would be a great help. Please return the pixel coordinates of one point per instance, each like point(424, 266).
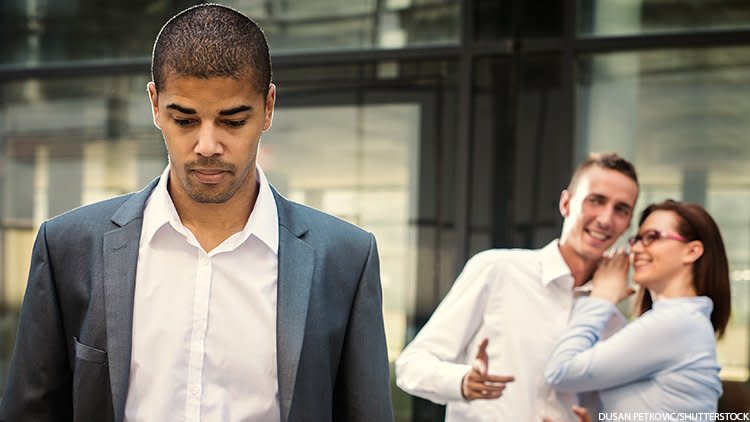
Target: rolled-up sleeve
point(428, 367)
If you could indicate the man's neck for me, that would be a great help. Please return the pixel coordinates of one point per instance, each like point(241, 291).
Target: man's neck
point(580, 268)
point(212, 224)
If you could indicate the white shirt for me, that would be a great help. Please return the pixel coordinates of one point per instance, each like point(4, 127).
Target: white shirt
point(204, 324)
point(519, 299)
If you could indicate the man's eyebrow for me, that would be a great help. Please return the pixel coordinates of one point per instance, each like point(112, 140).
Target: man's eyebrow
point(625, 204)
point(235, 110)
point(181, 109)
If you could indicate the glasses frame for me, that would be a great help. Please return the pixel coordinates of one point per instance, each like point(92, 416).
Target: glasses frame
point(660, 234)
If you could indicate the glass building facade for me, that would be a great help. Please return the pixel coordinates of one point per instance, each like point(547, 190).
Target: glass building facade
point(443, 126)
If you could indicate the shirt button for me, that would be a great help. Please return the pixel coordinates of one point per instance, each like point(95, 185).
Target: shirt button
point(194, 389)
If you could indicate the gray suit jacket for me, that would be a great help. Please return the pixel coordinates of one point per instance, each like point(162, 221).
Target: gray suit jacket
point(71, 359)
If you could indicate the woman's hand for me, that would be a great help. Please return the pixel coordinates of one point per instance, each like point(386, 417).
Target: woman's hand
point(611, 277)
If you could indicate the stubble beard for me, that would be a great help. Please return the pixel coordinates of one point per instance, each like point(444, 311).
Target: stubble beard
point(214, 194)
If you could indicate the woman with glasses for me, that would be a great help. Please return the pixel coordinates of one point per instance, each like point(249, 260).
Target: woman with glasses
point(665, 360)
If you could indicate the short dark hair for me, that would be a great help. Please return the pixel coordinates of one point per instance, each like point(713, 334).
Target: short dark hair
point(211, 40)
point(710, 271)
point(605, 160)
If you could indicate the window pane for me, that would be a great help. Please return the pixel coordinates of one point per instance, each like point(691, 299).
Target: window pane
point(520, 158)
point(35, 32)
point(498, 19)
point(300, 25)
point(65, 142)
point(630, 17)
point(40, 32)
point(682, 117)
point(374, 144)
point(364, 172)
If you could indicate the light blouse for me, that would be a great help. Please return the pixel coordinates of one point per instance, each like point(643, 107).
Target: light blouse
point(664, 361)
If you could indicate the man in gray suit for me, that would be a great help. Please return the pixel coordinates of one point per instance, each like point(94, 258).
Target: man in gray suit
point(207, 295)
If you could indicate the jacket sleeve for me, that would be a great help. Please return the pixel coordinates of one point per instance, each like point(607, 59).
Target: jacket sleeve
point(38, 387)
point(362, 392)
point(430, 367)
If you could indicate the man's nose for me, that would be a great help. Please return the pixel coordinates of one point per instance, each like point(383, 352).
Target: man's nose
point(208, 143)
point(604, 218)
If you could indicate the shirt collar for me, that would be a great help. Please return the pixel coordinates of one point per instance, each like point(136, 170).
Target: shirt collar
point(553, 265)
point(702, 304)
point(263, 221)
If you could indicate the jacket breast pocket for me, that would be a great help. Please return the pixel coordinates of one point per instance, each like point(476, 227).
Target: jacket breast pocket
point(88, 353)
point(92, 398)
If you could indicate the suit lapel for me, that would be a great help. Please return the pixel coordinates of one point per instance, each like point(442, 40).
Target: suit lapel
point(120, 260)
point(296, 267)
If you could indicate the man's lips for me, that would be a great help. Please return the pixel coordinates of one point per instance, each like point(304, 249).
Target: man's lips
point(209, 171)
point(210, 176)
point(598, 235)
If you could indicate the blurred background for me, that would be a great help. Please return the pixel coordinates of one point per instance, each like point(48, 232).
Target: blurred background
point(443, 126)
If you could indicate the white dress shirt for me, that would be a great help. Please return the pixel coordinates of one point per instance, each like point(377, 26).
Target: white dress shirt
point(204, 323)
point(519, 299)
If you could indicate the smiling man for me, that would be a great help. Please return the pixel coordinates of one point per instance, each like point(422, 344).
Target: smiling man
point(484, 350)
point(206, 296)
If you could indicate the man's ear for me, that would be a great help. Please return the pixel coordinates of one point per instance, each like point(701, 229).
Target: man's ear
point(270, 103)
point(153, 98)
point(694, 250)
point(565, 203)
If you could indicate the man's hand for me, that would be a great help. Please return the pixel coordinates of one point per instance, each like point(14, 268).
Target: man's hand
point(581, 412)
point(477, 383)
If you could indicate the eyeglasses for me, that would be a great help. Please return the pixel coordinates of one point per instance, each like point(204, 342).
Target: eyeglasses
point(651, 236)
